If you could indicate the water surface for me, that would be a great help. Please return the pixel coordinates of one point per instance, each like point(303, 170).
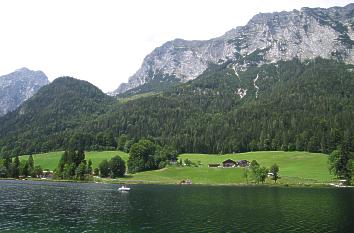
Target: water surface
point(27, 206)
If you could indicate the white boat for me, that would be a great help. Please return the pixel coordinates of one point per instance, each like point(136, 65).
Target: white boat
point(123, 188)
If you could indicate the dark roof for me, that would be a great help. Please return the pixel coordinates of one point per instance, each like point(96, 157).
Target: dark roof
point(229, 161)
point(243, 161)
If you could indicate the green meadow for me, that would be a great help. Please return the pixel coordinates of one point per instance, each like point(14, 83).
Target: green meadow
point(295, 167)
point(300, 165)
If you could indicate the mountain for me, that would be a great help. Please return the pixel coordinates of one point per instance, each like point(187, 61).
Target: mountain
point(288, 105)
point(264, 86)
point(19, 86)
point(267, 38)
point(46, 119)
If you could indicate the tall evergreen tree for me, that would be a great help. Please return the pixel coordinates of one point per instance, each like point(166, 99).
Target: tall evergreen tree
point(274, 169)
point(16, 167)
point(31, 162)
point(104, 168)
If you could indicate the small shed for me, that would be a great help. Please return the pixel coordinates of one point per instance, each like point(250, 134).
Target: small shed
point(229, 163)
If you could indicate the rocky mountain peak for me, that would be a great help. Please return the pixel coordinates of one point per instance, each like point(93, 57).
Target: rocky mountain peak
point(23, 69)
point(19, 86)
point(266, 38)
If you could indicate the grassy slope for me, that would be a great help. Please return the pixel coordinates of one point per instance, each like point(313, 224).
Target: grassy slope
point(137, 96)
point(50, 160)
point(295, 167)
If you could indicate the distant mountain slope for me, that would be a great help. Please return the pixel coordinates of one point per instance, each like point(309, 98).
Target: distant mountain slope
point(19, 86)
point(267, 38)
point(57, 110)
point(286, 105)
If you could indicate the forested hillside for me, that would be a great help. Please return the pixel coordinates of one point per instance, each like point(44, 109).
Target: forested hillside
point(289, 105)
point(47, 120)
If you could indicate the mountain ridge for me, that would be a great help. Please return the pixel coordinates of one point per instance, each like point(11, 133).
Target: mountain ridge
point(266, 38)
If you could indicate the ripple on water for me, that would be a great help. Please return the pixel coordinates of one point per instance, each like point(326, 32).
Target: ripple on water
point(67, 207)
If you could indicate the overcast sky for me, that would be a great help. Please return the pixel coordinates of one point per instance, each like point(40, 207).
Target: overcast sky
point(105, 41)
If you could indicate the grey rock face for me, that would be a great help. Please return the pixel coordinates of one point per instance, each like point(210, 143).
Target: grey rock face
point(270, 37)
point(19, 86)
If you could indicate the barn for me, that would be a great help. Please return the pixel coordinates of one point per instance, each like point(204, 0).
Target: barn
point(229, 163)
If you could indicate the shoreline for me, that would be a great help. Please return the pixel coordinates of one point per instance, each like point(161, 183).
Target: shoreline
point(120, 182)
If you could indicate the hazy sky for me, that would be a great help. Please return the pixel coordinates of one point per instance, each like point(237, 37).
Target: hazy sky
point(105, 41)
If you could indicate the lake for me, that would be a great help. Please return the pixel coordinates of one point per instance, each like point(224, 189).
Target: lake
point(29, 206)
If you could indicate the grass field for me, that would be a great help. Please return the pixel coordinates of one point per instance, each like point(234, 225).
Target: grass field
point(295, 167)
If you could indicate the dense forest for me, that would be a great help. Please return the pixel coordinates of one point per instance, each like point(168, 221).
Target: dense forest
point(289, 105)
point(299, 106)
point(48, 120)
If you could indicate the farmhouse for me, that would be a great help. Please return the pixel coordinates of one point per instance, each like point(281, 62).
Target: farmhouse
point(229, 163)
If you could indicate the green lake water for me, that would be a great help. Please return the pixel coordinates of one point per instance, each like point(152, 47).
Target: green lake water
point(27, 206)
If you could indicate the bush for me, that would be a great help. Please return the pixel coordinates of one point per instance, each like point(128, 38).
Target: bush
point(142, 156)
point(117, 167)
point(96, 171)
point(187, 162)
point(162, 164)
point(104, 168)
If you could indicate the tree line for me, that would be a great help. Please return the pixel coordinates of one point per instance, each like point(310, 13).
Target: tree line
point(144, 155)
point(16, 168)
point(73, 165)
point(260, 173)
